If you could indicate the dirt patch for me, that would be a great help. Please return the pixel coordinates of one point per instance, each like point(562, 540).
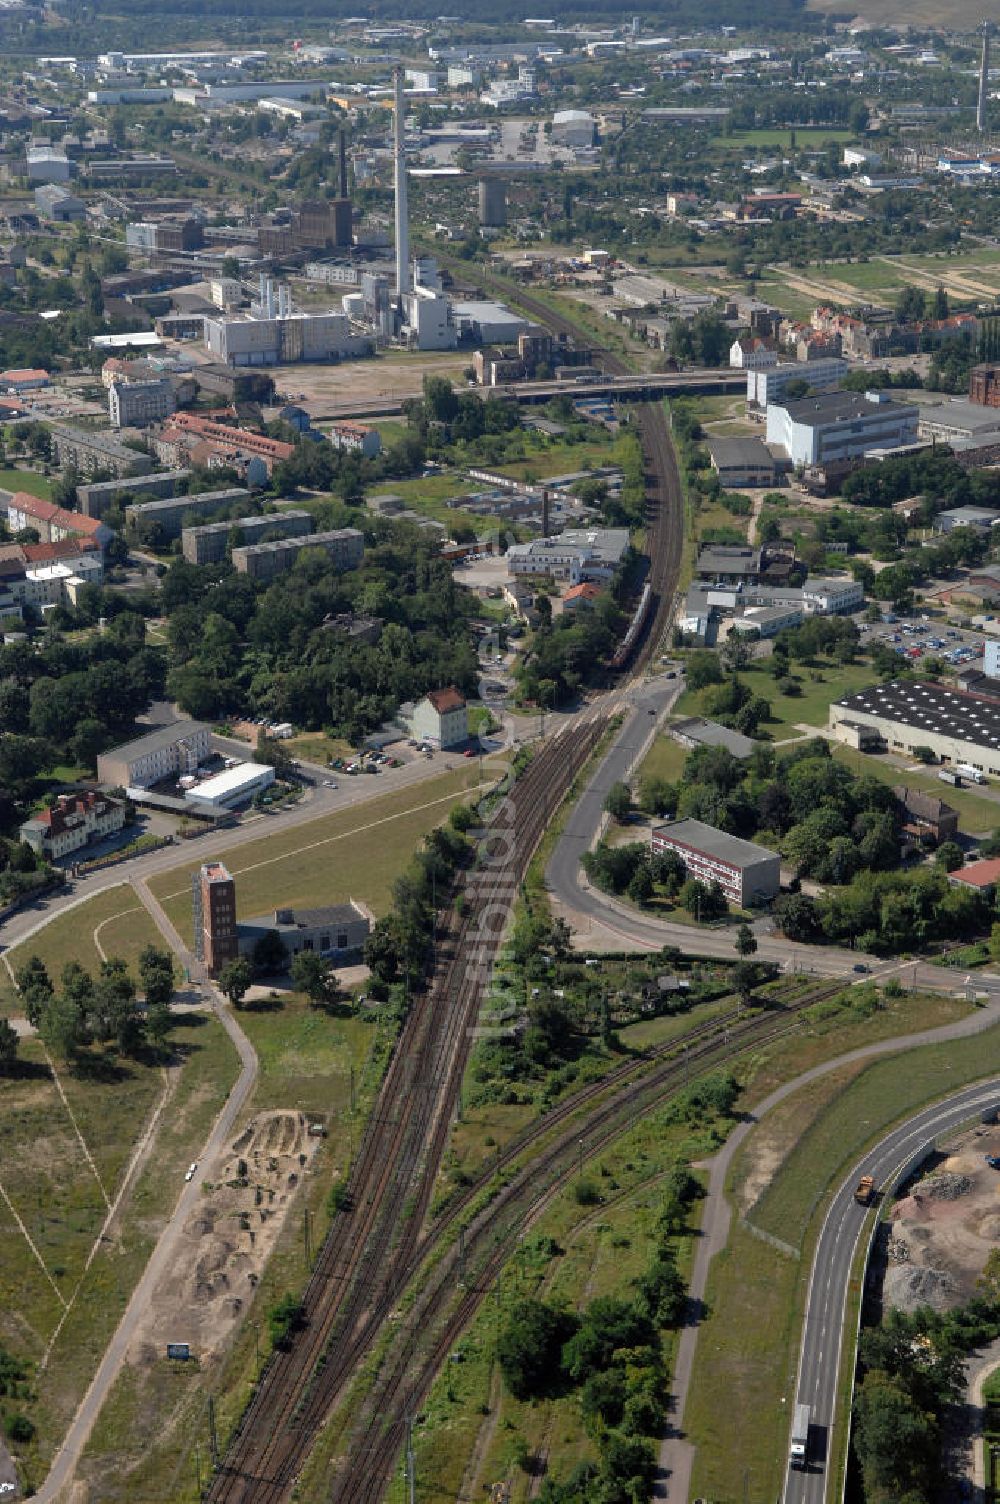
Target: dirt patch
point(228, 1238)
point(942, 1231)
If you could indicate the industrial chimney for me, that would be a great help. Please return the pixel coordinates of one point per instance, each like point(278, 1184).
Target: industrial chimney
point(399, 153)
point(982, 109)
point(546, 519)
point(343, 163)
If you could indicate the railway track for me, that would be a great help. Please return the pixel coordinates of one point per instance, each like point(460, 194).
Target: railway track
point(446, 1302)
point(369, 1251)
point(373, 1251)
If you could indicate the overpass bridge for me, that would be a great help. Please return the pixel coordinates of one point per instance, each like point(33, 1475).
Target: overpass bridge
point(696, 382)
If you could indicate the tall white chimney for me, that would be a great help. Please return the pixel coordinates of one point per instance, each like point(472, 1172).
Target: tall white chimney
point(402, 221)
point(983, 105)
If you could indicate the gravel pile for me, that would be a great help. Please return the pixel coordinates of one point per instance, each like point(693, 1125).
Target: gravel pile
point(946, 1187)
point(909, 1286)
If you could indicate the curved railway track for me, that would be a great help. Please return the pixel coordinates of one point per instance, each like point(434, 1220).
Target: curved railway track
point(442, 1308)
point(374, 1250)
point(369, 1249)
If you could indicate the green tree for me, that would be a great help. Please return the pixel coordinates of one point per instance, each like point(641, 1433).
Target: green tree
point(313, 976)
point(270, 954)
point(156, 975)
point(618, 802)
point(949, 856)
point(235, 981)
point(8, 1046)
point(529, 1348)
point(746, 941)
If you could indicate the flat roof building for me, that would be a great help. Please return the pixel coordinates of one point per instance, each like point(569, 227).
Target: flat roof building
point(97, 497)
point(742, 462)
point(345, 547)
point(89, 451)
point(747, 873)
point(337, 931)
point(694, 732)
point(576, 554)
point(232, 787)
point(210, 543)
point(161, 753)
point(838, 426)
point(957, 726)
point(170, 511)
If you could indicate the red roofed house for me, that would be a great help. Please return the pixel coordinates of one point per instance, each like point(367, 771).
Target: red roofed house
point(580, 595)
point(979, 875)
point(441, 717)
point(72, 821)
point(53, 523)
point(24, 381)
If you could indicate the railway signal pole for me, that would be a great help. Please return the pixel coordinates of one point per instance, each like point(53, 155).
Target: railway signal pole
point(411, 1467)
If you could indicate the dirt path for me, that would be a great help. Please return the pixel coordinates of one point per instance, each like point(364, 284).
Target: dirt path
point(978, 1370)
point(165, 1252)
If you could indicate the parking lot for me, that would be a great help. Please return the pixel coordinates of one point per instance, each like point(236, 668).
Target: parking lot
point(914, 638)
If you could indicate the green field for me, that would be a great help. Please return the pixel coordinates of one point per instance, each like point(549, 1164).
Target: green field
point(866, 276)
point(819, 687)
point(115, 917)
point(354, 854)
point(26, 480)
point(53, 1188)
point(805, 135)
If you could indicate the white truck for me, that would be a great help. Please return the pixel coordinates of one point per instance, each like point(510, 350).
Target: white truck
point(966, 770)
point(798, 1452)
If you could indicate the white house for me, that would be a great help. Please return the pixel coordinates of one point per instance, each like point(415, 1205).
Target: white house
point(441, 717)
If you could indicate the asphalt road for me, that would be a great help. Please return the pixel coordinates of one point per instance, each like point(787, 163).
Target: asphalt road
point(819, 1360)
point(589, 906)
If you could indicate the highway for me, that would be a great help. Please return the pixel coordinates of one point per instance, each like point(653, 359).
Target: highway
point(819, 1360)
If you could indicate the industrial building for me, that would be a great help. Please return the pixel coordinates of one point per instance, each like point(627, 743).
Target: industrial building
point(283, 339)
point(345, 547)
point(95, 498)
point(169, 511)
point(336, 931)
point(574, 128)
point(136, 404)
point(748, 874)
point(958, 727)
point(56, 203)
point(231, 787)
point(838, 427)
point(210, 542)
point(574, 555)
point(984, 384)
point(742, 462)
point(165, 752)
point(87, 451)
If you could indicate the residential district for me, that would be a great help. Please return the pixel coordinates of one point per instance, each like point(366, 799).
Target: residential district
point(499, 754)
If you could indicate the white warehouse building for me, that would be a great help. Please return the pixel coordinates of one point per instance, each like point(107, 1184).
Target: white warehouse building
point(838, 427)
point(232, 787)
point(572, 128)
point(901, 716)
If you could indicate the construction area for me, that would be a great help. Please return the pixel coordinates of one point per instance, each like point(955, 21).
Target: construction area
point(227, 1240)
point(941, 1232)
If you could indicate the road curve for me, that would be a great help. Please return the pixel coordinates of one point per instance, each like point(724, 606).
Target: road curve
point(819, 1359)
point(677, 1453)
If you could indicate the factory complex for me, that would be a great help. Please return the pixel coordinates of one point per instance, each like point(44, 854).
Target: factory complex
point(959, 728)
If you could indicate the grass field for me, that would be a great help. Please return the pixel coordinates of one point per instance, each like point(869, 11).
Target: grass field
point(114, 918)
point(155, 1418)
point(819, 685)
point(822, 1131)
point(357, 853)
point(53, 1188)
point(805, 135)
point(665, 759)
point(27, 480)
